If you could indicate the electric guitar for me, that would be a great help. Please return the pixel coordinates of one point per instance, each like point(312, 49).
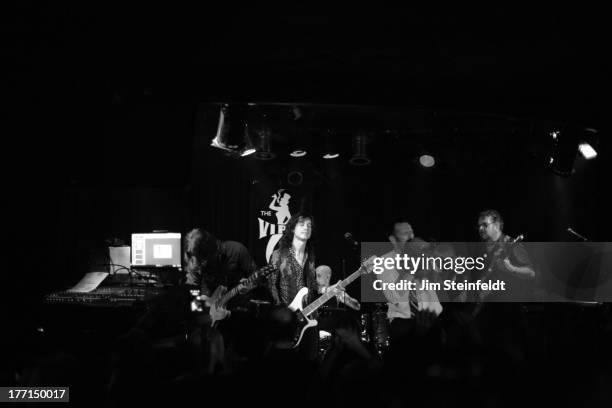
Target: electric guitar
point(303, 313)
point(501, 252)
point(221, 295)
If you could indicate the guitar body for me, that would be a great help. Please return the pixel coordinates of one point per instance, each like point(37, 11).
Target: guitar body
point(302, 313)
point(213, 301)
point(498, 255)
point(214, 298)
point(221, 295)
point(303, 321)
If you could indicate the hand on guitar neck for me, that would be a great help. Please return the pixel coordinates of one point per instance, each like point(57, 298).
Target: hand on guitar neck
point(220, 297)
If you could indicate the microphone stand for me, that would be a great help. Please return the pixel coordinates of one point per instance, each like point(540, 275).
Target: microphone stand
point(577, 235)
point(354, 245)
point(338, 303)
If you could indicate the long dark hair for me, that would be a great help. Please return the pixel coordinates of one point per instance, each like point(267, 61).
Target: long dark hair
point(286, 241)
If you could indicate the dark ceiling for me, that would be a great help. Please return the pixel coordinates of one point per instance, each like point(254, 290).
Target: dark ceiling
point(549, 64)
point(75, 72)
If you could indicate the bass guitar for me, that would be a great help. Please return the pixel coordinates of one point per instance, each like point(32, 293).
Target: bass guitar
point(303, 320)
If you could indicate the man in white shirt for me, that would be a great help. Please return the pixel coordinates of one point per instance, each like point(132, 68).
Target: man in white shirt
point(408, 311)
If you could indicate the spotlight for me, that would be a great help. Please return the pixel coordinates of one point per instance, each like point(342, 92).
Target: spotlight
point(427, 160)
point(329, 146)
point(233, 132)
point(298, 153)
point(264, 151)
point(247, 152)
point(360, 150)
point(249, 148)
point(587, 151)
point(295, 178)
point(589, 143)
point(564, 151)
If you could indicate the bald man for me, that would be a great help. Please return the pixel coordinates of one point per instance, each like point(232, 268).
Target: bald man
point(324, 273)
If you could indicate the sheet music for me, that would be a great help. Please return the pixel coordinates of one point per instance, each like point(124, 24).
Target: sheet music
point(89, 282)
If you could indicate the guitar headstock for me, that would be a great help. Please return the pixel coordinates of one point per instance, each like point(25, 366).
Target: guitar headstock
point(265, 271)
point(367, 264)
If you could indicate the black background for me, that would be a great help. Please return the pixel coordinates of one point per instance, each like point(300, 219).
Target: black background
point(99, 96)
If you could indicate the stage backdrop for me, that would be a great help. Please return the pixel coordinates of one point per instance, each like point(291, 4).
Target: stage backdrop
point(272, 205)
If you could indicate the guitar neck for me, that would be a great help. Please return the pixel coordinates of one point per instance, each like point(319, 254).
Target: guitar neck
point(508, 245)
point(234, 291)
point(311, 308)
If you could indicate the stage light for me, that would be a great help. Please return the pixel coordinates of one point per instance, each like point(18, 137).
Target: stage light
point(264, 150)
point(298, 153)
point(427, 160)
point(330, 151)
point(554, 134)
point(295, 178)
point(565, 150)
point(360, 150)
point(248, 148)
point(587, 151)
point(233, 132)
point(248, 152)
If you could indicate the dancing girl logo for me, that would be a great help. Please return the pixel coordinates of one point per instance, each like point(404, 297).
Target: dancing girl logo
point(274, 230)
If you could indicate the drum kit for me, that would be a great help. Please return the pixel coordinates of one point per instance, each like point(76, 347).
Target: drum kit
point(373, 328)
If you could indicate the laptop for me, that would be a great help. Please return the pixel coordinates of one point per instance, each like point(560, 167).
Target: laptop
point(156, 250)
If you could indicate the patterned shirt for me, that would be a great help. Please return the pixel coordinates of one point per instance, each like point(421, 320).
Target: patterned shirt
point(291, 277)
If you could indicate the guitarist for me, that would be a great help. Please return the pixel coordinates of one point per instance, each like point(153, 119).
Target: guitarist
point(507, 261)
point(210, 263)
point(500, 317)
point(295, 261)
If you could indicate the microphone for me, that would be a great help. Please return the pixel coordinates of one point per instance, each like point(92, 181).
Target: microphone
point(349, 238)
point(574, 233)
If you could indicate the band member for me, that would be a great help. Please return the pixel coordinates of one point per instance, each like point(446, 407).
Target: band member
point(509, 262)
point(295, 261)
point(210, 263)
point(411, 309)
point(498, 315)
